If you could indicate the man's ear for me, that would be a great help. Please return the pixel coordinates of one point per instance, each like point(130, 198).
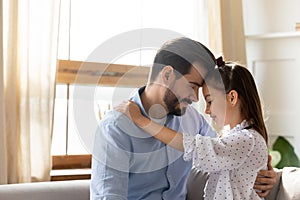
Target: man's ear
point(233, 97)
point(167, 75)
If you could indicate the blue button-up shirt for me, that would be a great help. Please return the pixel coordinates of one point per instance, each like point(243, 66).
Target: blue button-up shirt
point(128, 163)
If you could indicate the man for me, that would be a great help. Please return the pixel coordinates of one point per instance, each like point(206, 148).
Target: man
point(128, 163)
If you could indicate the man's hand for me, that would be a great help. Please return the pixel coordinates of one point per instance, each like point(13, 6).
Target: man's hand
point(265, 180)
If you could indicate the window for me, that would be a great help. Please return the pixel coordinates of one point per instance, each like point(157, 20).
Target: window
point(87, 24)
point(80, 105)
point(94, 33)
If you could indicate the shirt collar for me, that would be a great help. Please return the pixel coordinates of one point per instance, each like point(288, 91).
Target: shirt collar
point(137, 99)
point(227, 131)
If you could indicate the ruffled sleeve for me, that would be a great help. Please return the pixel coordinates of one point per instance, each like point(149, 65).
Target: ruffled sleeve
point(215, 154)
point(194, 146)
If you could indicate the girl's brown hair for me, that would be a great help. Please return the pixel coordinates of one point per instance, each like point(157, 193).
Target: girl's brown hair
point(231, 76)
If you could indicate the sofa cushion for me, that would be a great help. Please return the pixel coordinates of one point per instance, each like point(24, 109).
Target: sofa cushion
point(56, 190)
point(196, 184)
point(290, 184)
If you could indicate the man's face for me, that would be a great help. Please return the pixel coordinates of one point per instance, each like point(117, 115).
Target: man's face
point(184, 91)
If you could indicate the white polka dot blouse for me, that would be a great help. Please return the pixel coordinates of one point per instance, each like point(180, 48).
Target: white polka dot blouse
point(232, 160)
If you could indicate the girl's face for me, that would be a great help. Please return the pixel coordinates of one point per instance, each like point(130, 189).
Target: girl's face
point(216, 105)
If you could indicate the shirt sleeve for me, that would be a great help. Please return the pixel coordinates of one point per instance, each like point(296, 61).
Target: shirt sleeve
point(215, 154)
point(110, 163)
point(206, 129)
point(192, 120)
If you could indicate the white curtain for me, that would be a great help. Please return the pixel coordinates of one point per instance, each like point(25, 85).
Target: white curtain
point(28, 72)
point(226, 29)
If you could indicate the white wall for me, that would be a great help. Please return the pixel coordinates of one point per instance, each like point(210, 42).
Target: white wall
point(273, 55)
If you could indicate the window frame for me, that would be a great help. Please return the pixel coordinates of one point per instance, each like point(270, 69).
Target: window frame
point(89, 72)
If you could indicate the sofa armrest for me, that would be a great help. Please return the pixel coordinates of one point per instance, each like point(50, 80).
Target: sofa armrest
point(290, 184)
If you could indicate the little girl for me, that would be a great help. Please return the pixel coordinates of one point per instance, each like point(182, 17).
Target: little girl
point(234, 158)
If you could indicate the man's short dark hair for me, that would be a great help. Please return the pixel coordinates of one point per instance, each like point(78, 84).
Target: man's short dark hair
point(180, 53)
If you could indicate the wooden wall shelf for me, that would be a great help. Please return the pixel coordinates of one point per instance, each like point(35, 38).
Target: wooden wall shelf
point(274, 35)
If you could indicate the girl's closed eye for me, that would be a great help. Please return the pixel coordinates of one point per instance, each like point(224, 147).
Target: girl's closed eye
point(209, 102)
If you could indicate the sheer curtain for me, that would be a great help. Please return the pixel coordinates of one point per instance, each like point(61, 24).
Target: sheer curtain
point(28, 71)
point(226, 29)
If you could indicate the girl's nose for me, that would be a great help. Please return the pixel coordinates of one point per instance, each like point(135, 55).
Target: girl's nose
point(207, 110)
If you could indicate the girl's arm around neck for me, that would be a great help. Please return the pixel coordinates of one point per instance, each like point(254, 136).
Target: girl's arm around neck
point(162, 133)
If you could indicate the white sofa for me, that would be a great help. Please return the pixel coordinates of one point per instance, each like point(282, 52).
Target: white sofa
point(287, 188)
point(55, 190)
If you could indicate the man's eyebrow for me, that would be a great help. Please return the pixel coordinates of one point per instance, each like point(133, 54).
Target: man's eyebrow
point(197, 84)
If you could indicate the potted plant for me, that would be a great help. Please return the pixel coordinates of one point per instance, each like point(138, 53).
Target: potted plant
point(283, 154)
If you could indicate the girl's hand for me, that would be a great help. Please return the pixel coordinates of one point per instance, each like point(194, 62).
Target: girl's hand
point(130, 109)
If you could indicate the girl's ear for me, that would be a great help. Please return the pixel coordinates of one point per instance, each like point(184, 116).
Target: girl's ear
point(233, 97)
point(167, 75)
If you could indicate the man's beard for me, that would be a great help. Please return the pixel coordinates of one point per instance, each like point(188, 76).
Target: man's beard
point(172, 103)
